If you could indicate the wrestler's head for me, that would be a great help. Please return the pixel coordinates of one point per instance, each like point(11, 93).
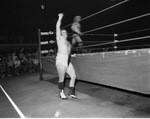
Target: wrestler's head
point(64, 33)
point(77, 18)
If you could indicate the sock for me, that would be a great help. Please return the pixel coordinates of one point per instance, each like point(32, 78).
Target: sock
point(72, 91)
point(61, 85)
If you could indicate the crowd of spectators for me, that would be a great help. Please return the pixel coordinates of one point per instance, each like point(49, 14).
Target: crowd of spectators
point(18, 61)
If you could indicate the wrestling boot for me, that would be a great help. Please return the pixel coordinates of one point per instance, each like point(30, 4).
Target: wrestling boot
point(61, 88)
point(62, 95)
point(71, 93)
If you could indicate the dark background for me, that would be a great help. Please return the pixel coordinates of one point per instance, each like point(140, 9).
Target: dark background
point(20, 19)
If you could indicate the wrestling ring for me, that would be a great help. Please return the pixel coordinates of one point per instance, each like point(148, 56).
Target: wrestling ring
point(112, 63)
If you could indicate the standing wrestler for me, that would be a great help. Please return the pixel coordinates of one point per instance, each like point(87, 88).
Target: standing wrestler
point(76, 28)
point(63, 63)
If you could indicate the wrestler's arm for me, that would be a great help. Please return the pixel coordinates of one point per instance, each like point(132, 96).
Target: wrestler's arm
point(58, 24)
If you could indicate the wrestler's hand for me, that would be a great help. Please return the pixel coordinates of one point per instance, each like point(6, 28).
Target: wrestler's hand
point(73, 55)
point(60, 15)
point(80, 33)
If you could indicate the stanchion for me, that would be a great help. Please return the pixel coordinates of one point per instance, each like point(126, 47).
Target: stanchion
point(39, 56)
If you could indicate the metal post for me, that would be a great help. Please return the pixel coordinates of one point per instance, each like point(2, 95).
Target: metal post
point(39, 54)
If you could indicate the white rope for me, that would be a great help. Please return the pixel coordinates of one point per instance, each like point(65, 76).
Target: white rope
point(131, 39)
point(47, 33)
point(104, 9)
point(47, 42)
point(144, 15)
point(134, 31)
point(44, 51)
point(95, 41)
point(99, 34)
point(94, 34)
point(99, 12)
point(107, 48)
point(44, 42)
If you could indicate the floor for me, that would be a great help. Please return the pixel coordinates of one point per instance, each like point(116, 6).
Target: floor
point(27, 96)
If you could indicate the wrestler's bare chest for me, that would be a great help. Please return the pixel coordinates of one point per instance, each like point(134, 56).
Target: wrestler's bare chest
point(64, 47)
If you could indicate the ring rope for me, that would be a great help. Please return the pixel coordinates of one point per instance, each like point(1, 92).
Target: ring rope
point(134, 31)
point(135, 46)
point(104, 9)
point(99, 34)
point(95, 34)
point(70, 35)
point(133, 18)
point(130, 39)
point(46, 33)
point(99, 12)
point(106, 48)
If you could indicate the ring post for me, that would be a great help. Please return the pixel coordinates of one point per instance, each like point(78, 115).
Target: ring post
point(39, 57)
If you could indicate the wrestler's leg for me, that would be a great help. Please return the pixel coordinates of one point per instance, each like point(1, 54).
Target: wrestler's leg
point(79, 40)
point(71, 72)
point(74, 41)
point(61, 73)
point(76, 38)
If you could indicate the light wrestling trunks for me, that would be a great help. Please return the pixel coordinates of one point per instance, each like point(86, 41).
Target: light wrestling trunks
point(75, 35)
point(63, 59)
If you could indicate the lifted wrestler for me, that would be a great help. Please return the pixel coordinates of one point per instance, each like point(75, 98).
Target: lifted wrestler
point(63, 63)
point(76, 28)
